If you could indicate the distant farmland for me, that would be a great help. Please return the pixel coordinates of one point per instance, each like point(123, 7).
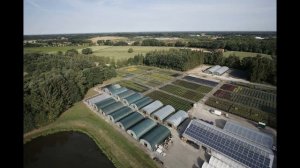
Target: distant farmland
point(243, 54)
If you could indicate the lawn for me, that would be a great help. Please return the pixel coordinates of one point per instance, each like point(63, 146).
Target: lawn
point(118, 149)
point(243, 54)
point(121, 52)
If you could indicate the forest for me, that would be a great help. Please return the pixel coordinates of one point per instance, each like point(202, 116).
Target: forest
point(53, 83)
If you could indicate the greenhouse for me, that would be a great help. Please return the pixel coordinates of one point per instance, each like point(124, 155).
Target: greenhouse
point(141, 128)
point(163, 113)
point(141, 103)
point(97, 98)
point(130, 99)
point(120, 113)
point(213, 69)
point(104, 103)
point(130, 120)
point(152, 107)
point(124, 94)
point(155, 137)
point(111, 108)
point(176, 119)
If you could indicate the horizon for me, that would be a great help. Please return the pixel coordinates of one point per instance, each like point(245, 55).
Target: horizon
point(254, 31)
point(111, 16)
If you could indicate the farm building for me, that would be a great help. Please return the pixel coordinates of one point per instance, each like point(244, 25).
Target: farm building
point(177, 118)
point(124, 94)
point(150, 108)
point(155, 137)
point(130, 120)
point(130, 99)
point(238, 151)
point(163, 113)
point(119, 114)
point(218, 163)
point(213, 69)
point(104, 103)
point(221, 70)
point(141, 128)
point(97, 98)
point(249, 134)
point(141, 103)
point(111, 108)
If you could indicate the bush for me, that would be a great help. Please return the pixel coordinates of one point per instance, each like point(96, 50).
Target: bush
point(130, 50)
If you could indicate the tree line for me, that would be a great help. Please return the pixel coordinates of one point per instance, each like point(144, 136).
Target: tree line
point(53, 83)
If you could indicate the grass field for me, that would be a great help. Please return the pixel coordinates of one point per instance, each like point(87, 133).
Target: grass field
point(121, 52)
point(243, 54)
point(118, 149)
point(63, 49)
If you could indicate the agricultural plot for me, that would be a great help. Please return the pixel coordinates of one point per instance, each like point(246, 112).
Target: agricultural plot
point(182, 92)
point(166, 99)
point(152, 79)
point(130, 71)
point(256, 87)
point(201, 81)
point(246, 100)
point(218, 103)
point(133, 86)
point(193, 86)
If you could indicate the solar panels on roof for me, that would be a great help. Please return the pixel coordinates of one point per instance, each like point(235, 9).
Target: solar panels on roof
point(236, 148)
point(250, 134)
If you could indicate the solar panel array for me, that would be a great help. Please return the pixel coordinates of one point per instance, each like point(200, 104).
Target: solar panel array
point(201, 81)
point(232, 147)
point(252, 135)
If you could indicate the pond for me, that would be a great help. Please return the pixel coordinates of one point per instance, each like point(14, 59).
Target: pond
point(65, 149)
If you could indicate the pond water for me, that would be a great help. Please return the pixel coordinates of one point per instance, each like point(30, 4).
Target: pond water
point(62, 150)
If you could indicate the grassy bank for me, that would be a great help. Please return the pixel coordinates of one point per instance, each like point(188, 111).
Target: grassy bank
point(117, 148)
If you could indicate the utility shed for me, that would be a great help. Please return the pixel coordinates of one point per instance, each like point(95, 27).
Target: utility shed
point(155, 137)
point(130, 120)
point(218, 163)
point(111, 108)
point(221, 70)
point(119, 114)
point(150, 108)
point(207, 165)
point(124, 94)
point(141, 103)
point(130, 99)
point(97, 98)
point(163, 113)
point(104, 103)
point(213, 69)
point(141, 128)
point(177, 118)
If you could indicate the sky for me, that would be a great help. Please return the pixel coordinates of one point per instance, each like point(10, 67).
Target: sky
point(99, 16)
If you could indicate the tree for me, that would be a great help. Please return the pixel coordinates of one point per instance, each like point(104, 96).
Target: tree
point(136, 43)
point(121, 43)
point(87, 51)
point(100, 42)
point(179, 44)
point(130, 50)
point(232, 61)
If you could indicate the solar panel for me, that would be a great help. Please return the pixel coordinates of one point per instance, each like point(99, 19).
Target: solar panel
point(233, 147)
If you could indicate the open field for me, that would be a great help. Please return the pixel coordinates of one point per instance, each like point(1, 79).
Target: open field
point(50, 49)
point(118, 149)
point(241, 54)
point(121, 52)
point(166, 99)
point(112, 38)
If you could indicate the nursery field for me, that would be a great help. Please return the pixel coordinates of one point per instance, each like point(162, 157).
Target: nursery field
point(183, 92)
point(201, 81)
point(133, 86)
point(166, 99)
point(193, 86)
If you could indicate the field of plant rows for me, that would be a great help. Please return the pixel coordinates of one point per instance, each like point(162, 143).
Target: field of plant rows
point(133, 86)
point(201, 81)
point(193, 86)
point(166, 99)
point(153, 79)
point(182, 92)
point(240, 110)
